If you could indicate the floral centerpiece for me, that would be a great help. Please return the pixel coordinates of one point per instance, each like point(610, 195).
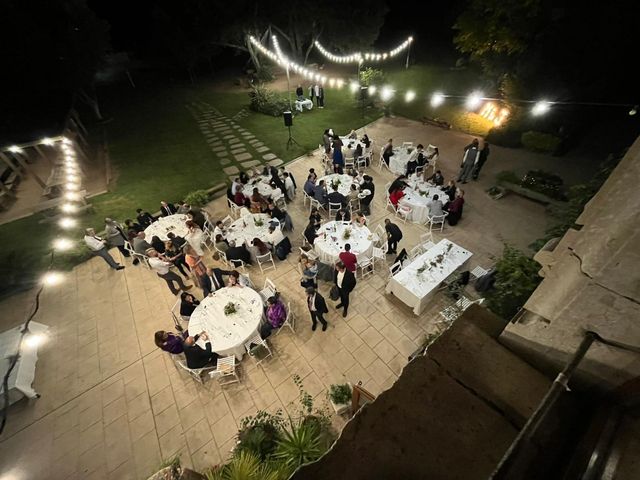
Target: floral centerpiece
point(230, 308)
point(336, 182)
point(258, 222)
point(346, 235)
point(436, 262)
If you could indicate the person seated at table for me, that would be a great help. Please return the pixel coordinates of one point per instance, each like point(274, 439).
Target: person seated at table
point(451, 190)
point(276, 315)
point(417, 177)
point(176, 240)
point(349, 259)
point(238, 252)
point(343, 215)
point(167, 209)
point(140, 245)
point(244, 177)
point(169, 342)
point(436, 209)
point(144, 218)
point(309, 185)
point(258, 202)
point(365, 201)
point(359, 220)
point(387, 152)
point(357, 152)
point(275, 212)
point(260, 247)
point(312, 173)
point(336, 197)
point(308, 267)
point(188, 304)
point(219, 229)
point(401, 181)
point(365, 140)
point(131, 226)
point(196, 265)
point(221, 244)
point(455, 208)
point(239, 198)
point(315, 217)
point(176, 256)
point(358, 177)
point(195, 237)
point(299, 92)
point(198, 357)
point(320, 193)
point(212, 280)
point(197, 217)
point(396, 195)
point(353, 193)
point(238, 280)
point(235, 185)
point(437, 178)
point(310, 233)
point(353, 135)
point(274, 235)
point(183, 208)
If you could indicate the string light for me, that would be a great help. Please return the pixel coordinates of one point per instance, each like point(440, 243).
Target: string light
point(540, 108)
point(67, 222)
point(372, 89)
point(474, 100)
point(68, 208)
point(62, 244)
point(409, 96)
point(358, 57)
point(437, 99)
point(353, 86)
point(33, 340)
point(386, 93)
point(15, 149)
point(52, 278)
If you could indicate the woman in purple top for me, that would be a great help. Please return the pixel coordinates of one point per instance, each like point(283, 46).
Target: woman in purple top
point(276, 315)
point(169, 342)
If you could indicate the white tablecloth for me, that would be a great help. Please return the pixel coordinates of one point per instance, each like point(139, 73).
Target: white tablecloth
point(349, 146)
point(24, 372)
point(418, 202)
point(345, 183)
point(172, 223)
point(264, 188)
point(227, 333)
point(329, 244)
point(306, 103)
point(399, 159)
point(244, 229)
point(416, 290)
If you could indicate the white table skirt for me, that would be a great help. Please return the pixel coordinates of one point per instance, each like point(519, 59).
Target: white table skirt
point(172, 223)
point(24, 372)
point(306, 103)
point(418, 202)
point(416, 290)
point(244, 229)
point(263, 186)
point(329, 244)
point(345, 183)
point(228, 333)
point(398, 161)
point(349, 147)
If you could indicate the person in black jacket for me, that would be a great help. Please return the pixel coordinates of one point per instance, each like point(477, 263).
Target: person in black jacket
point(197, 357)
point(394, 235)
point(144, 218)
point(317, 307)
point(167, 209)
point(336, 197)
point(310, 232)
point(366, 201)
point(240, 252)
point(188, 304)
point(345, 280)
point(213, 281)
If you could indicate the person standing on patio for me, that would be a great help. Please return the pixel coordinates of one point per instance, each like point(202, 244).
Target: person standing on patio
point(115, 235)
point(394, 235)
point(161, 266)
point(98, 246)
point(345, 280)
point(482, 158)
point(468, 162)
point(317, 307)
point(338, 159)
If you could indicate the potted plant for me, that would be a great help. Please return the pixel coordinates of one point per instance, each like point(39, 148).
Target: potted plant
point(340, 397)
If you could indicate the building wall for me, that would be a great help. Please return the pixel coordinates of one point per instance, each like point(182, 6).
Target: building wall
point(592, 282)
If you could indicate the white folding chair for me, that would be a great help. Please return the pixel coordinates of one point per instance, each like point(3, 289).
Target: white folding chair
point(407, 144)
point(268, 290)
point(349, 163)
point(289, 322)
point(419, 169)
point(478, 272)
point(437, 219)
point(452, 312)
point(195, 373)
point(175, 313)
point(380, 254)
point(305, 197)
point(235, 209)
point(366, 266)
point(403, 212)
point(395, 268)
point(381, 163)
point(265, 259)
point(228, 220)
point(223, 258)
point(258, 348)
point(333, 209)
point(361, 163)
point(389, 204)
point(380, 235)
point(225, 370)
point(426, 240)
point(415, 251)
point(317, 204)
point(239, 265)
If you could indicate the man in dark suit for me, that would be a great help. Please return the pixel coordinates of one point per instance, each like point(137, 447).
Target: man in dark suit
point(317, 307)
point(212, 281)
point(336, 197)
point(238, 253)
point(144, 218)
point(366, 201)
point(197, 357)
point(320, 193)
point(346, 282)
point(167, 209)
point(394, 235)
point(176, 240)
point(343, 215)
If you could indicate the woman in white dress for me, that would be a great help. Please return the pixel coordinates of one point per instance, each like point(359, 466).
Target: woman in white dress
point(195, 237)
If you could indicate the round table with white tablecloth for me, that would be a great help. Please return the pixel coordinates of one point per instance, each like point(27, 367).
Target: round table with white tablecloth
point(263, 186)
point(417, 196)
point(331, 240)
point(244, 229)
point(228, 333)
point(398, 161)
point(172, 223)
point(344, 187)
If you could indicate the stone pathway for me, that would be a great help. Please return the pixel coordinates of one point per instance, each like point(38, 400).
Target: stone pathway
point(235, 147)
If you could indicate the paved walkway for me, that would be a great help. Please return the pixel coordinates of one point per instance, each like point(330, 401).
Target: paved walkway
point(113, 405)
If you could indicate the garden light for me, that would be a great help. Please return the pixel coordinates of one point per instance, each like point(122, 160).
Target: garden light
point(409, 96)
point(437, 99)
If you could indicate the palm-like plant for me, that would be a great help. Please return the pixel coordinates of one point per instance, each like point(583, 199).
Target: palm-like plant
point(246, 465)
point(299, 445)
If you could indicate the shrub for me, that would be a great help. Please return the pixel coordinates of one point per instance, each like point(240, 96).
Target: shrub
point(340, 394)
point(197, 198)
point(267, 101)
point(260, 432)
point(507, 176)
point(372, 76)
point(543, 182)
point(540, 142)
point(264, 74)
point(516, 279)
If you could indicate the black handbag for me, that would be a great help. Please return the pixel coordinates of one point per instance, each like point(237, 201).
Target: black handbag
point(334, 294)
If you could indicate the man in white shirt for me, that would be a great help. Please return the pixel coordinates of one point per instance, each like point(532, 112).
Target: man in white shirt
point(219, 230)
point(161, 266)
point(275, 235)
point(234, 186)
point(435, 207)
point(289, 186)
point(98, 247)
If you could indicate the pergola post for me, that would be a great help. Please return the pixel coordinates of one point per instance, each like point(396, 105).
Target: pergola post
point(6, 160)
point(28, 168)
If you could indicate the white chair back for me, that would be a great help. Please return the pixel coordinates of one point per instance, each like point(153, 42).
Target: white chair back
point(265, 262)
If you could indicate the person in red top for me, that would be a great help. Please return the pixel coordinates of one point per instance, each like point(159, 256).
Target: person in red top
point(239, 198)
point(349, 259)
point(395, 196)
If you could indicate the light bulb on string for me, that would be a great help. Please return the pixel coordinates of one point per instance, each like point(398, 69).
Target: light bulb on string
point(72, 196)
point(353, 86)
point(67, 222)
point(540, 108)
point(51, 279)
point(47, 141)
point(69, 208)
point(437, 99)
point(62, 244)
point(386, 93)
point(409, 96)
point(15, 149)
point(372, 89)
point(34, 340)
point(474, 100)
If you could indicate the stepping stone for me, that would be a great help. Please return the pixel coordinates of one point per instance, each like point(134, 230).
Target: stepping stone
point(242, 156)
point(254, 141)
point(269, 156)
point(251, 163)
point(230, 170)
point(222, 154)
point(240, 149)
point(275, 162)
point(248, 136)
point(225, 161)
point(226, 131)
point(219, 149)
point(257, 144)
point(212, 136)
point(214, 143)
point(237, 127)
point(227, 137)
point(261, 149)
point(241, 130)
point(234, 140)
